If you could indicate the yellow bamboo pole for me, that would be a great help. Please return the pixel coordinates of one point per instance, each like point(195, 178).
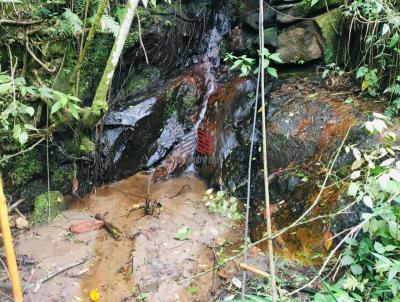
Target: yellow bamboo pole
point(8, 246)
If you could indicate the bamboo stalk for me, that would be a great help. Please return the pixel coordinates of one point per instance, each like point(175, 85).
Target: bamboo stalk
point(265, 160)
point(8, 246)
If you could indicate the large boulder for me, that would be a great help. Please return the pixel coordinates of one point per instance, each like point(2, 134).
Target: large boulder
point(292, 12)
point(301, 42)
point(252, 20)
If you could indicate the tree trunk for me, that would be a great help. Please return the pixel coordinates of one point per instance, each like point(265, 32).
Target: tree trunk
point(99, 105)
point(89, 40)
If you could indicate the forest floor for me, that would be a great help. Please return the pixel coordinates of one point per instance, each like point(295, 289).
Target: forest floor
point(147, 263)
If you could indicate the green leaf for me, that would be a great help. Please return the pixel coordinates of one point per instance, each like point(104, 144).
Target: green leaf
point(73, 109)
point(192, 290)
point(6, 88)
point(313, 2)
point(23, 137)
point(142, 296)
point(16, 131)
point(347, 260)
point(56, 107)
point(353, 189)
point(184, 233)
point(46, 92)
point(394, 230)
point(272, 71)
point(385, 29)
point(236, 64)
point(276, 57)
point(244, 70)
point(392, 273)
point(356, 269)
point(379, 247)
point(30, 127)
point(220, 193)
point(26, 109)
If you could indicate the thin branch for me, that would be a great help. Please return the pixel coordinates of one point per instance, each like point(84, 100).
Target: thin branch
point(140, 38)
point(7, 157)
point(57, 272)
point(20, 22)
point(37, 59)
point(331, 255)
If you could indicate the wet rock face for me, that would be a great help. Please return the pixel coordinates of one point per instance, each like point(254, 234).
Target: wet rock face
point(141, 130)
point(127, 133)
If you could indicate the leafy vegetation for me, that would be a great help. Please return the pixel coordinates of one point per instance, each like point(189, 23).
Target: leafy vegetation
point(371, 260)
point(222, 204)
point(246, 64)
point(376, 26)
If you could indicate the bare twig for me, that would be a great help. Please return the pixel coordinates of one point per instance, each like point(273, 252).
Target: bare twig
point(52, 70)
point(330, 256)
point(15, 204)
point(57, 272)
point(180, 191)
point(140, 38)
point(20, 22)
point(7, 157)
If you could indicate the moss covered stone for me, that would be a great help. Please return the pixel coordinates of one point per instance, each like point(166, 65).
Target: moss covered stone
point(291, 12)
point(47, 206)
point(142, 77)
point(330, 24)
point(25, 167)
point(61, 178)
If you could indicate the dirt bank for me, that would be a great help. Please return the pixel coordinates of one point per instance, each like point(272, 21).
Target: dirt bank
point(147, 261)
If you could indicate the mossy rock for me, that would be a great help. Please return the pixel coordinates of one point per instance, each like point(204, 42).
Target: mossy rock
point(330, 24)
point(61, 178)
point(141, 78)
point(25, 167)
point(47, 207)
point(291, 12)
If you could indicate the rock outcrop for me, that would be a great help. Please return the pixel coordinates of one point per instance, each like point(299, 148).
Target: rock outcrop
point(301, 32)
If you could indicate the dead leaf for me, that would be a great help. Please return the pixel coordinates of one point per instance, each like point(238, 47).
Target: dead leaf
point(364, 85)
point(75, 185)
point(328, 239)
point(357, 164)
point(94, 295)
point(223, 274)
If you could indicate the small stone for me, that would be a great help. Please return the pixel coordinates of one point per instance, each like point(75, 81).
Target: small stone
point(236, 282)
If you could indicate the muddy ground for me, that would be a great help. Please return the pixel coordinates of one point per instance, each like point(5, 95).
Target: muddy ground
point(148, 261)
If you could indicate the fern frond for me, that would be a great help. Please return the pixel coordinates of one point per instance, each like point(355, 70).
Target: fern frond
point(109, 25)
point(394, 89)
point(71, 23)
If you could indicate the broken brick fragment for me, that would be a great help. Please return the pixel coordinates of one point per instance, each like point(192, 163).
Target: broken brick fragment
point(86, 226)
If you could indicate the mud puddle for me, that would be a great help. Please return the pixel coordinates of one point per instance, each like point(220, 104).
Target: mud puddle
point(147, 262)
